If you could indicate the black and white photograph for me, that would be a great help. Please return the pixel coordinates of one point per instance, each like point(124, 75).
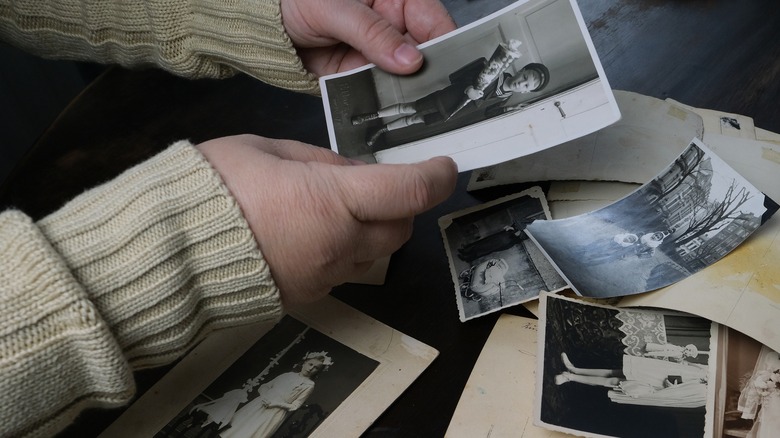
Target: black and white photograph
point(283, 386)
point(493, 263)
point(520, 80)
point(325, 369)
point(690, 216)
point(751, 396)
point(609, 372)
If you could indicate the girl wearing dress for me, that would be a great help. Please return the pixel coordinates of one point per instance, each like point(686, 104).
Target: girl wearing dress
point(287, 392)
point(645, 381)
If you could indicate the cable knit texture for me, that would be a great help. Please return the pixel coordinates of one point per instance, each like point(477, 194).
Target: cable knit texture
point(130, 274)
point(190, 38)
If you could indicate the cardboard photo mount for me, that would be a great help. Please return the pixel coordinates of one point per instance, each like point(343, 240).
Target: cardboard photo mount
point(497, 400)
point(577, 405)
point(401, 360)
point(575, 100)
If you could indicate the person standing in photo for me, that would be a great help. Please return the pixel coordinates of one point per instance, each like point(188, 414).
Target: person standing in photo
point(287, 392)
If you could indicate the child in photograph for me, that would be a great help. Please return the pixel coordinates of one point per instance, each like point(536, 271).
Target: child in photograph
point(624, 246)
point(760, 398)
point(644, 381)
point(481, 85)
point(287, 392)
point(486, 283)
point(213, 415)
point(670, 352)
point(650, 241)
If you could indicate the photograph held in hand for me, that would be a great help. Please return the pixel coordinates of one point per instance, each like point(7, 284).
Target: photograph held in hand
point(521, 80)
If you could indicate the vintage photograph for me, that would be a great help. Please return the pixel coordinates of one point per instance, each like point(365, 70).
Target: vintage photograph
point(751, 397)
point(493, 263)
point(285, 385)
point(518, 81)
point(609, 372)
point(324, 370)
point(650, 134)
point(687, 218)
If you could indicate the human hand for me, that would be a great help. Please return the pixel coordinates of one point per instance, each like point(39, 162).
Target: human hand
point(319, 218)
point(338, 35)
point(517, 107)
point(473, 93)
point(672, 381)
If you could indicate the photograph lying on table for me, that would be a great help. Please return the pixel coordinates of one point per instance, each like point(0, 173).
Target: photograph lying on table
point(687, 218)
point(317, 372)
point(741, 291)
point(297, 388)
point(750, 395)
point(571, 198)
point(520, 80)
point(496, 401)
point(609, 372)
point(493, 263)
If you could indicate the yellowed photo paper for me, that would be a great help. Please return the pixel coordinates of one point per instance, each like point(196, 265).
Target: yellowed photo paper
point(324, 370)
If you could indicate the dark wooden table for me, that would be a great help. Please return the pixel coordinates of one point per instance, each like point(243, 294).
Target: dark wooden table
point(715, 54)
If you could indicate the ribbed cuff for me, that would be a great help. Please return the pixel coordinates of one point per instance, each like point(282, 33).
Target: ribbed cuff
point(165, 254)
point(250, 37)
point(190, 38)
point(57, 356)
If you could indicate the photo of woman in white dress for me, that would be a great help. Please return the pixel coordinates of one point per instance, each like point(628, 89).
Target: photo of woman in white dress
point(645, 381)
point(617, 372)
point(287, 392)
point(286, 385)
point(760, 398)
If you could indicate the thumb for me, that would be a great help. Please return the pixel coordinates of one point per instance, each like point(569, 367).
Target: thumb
point(374, 36)
point(380, 192)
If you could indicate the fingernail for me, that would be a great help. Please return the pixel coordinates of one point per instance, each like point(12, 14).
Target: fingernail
point(407, 54)
point(453, 163)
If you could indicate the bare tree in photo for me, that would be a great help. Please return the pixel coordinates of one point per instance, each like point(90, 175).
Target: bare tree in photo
point(691, 215)
point(713, 216)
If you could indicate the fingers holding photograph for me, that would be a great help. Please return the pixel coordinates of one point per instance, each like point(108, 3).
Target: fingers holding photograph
point(518, 81)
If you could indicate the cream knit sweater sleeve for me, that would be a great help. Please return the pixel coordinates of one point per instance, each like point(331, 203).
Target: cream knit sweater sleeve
point(191, 38)
point(127, 275)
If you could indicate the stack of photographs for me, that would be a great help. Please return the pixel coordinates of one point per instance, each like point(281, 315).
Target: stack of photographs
point(601, 371)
